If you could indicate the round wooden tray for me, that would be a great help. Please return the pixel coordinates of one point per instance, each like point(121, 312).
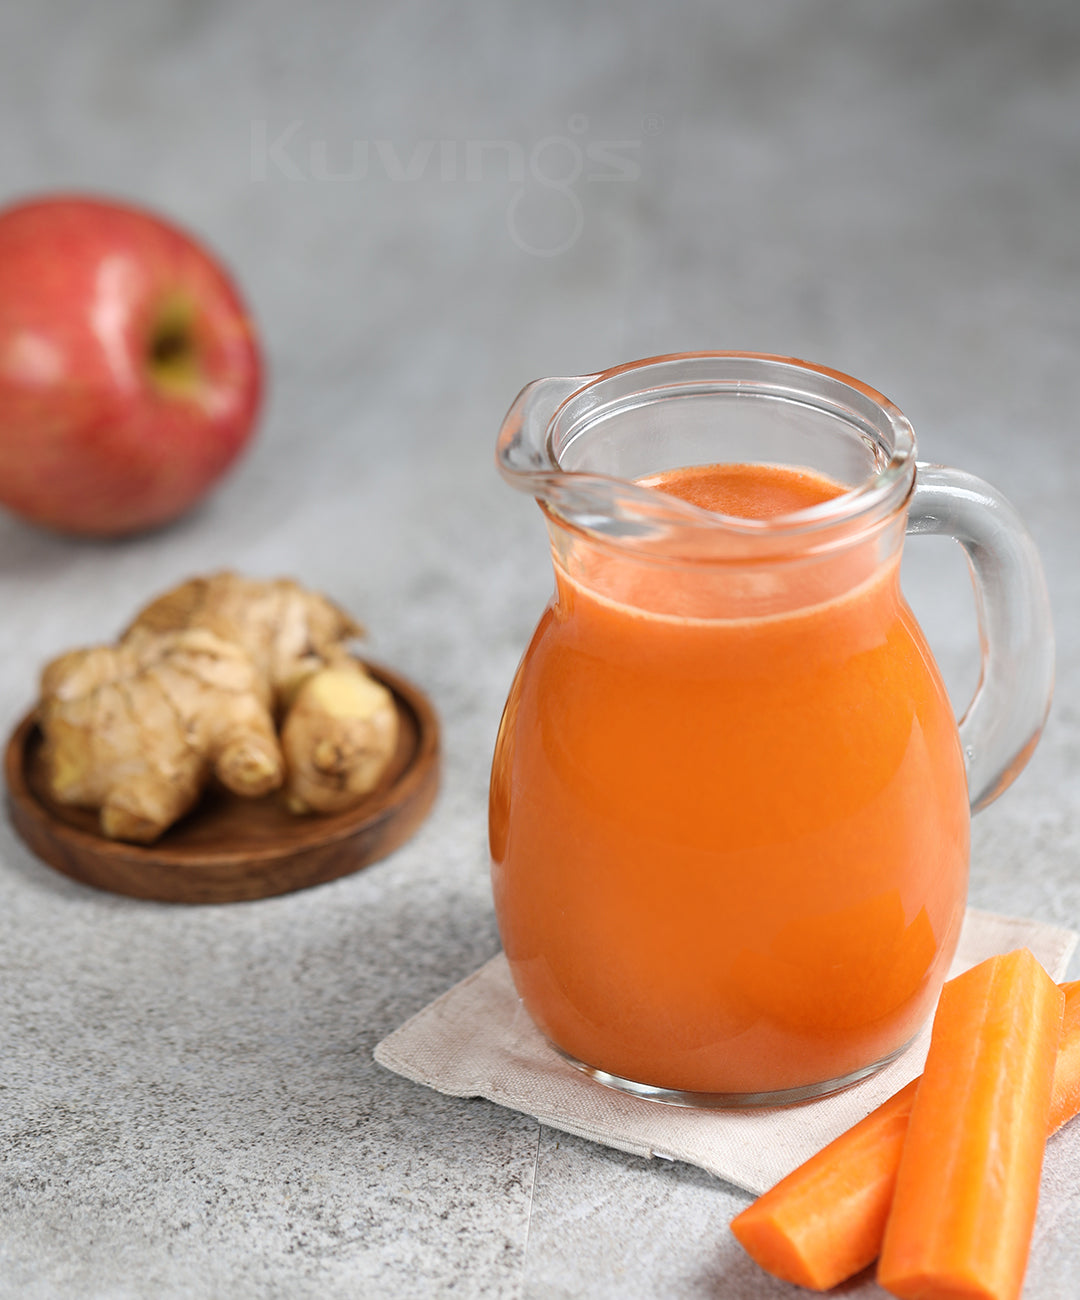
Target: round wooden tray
point(230, 849)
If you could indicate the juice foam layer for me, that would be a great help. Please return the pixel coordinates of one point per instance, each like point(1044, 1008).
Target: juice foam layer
point(719, 588)
point(747, 491)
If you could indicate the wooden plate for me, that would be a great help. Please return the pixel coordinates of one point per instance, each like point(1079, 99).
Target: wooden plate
point(228, 848)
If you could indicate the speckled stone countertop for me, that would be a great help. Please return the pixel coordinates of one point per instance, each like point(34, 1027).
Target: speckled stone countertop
point(188, 1101)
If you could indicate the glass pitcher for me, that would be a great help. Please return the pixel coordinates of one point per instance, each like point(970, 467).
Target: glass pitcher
point(730, 803)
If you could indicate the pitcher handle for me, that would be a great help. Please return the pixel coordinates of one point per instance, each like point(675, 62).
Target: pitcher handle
point(1002, 723)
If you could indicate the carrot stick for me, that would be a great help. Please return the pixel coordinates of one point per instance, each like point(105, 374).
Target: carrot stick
point(968, 1182)
point(824, 1221)
point(1066, 1099)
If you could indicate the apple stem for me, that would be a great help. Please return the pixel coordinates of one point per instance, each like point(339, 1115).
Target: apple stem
point(173, 357)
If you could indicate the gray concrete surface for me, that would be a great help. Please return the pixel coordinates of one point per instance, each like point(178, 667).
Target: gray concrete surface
point(188, 1105)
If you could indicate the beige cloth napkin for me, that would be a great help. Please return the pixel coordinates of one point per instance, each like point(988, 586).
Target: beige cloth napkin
point(477, 1040)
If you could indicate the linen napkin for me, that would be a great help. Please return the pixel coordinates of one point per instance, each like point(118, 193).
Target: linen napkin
point(477, 1040)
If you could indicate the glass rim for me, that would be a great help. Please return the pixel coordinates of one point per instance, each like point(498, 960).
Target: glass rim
point(766, 375)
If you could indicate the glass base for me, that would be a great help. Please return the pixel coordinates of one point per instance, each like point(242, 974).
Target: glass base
point(732, 1100)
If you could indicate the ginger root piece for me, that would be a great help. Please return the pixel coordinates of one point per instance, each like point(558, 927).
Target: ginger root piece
point(338, 736)
point(193, 689)
point(136, 729)
point(287, 630)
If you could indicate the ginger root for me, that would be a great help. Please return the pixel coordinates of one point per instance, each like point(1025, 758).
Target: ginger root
point(337, 737)
point(193, 689)
point(287, 631)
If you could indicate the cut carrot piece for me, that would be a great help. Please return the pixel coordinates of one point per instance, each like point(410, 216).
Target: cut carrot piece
point(1066, 1102)
point(968, 1182)
point(824, 1221)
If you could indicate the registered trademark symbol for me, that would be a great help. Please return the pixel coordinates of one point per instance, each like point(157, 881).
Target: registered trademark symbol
point(652, 123)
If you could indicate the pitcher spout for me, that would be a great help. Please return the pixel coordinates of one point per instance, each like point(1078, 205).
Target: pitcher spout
point(598, 503)
point(583, 444)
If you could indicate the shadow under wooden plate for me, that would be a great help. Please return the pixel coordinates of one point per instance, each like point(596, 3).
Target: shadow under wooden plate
point(230, 849)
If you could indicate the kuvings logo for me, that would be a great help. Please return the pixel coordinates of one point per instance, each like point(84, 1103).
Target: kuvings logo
point(544, 177)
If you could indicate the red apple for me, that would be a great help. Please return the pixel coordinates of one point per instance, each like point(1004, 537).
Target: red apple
point(130, 373)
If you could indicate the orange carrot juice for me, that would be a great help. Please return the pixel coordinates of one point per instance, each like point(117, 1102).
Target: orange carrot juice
point(729, 853)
